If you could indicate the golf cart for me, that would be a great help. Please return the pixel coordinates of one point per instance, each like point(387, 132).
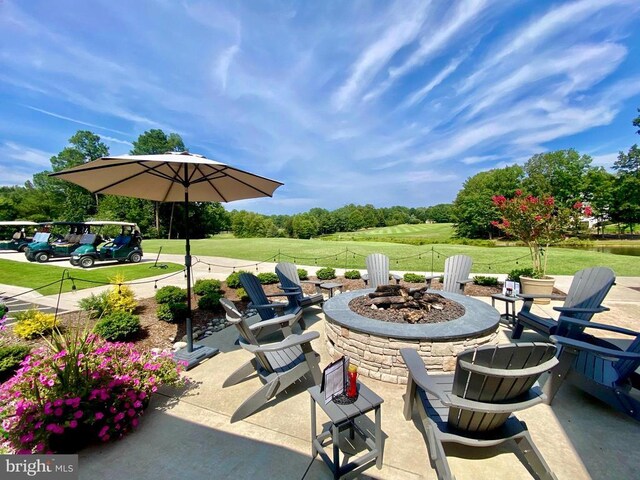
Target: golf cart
point(18, 239)
point(41, 249)
point(126, 247)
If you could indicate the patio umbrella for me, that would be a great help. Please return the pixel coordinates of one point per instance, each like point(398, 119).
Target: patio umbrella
point(171, 177)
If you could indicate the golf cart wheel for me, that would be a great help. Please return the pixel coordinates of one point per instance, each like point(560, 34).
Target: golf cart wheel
point(74, 262)
point(22, 248)
point(86, 262)
point(135, 257)
point(42, 257)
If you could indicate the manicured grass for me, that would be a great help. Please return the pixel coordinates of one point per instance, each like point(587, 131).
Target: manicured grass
point(33, 275)
point(434, 232)
point(424, 258)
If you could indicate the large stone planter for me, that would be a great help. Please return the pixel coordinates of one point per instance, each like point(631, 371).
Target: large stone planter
point(537, 286)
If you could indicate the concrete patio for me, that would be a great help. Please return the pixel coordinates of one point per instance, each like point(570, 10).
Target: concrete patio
point(189, 434)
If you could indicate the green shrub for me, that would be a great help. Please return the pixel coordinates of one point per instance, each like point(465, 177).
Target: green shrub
point(242, 294)
point(522, 272)
point(172, 312)
point(352, 274)
point(413, 278)
point(171, 294)
point(485, 281)
point(326, 273)
point(303, 274)
point(268, 278)
point(10, 358)
point(3, 309)
point(95, 305)
point(211, 301)
point(206, 286)
point(233, 280)
point(118, 326)
point(120, 297)
point(32, 323)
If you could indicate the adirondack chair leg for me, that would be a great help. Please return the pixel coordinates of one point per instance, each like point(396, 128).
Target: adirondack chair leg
point(517, 330)
point(255, 401)
point(303, 325)
point(533, 457)
point(628, 404)
point(241, 373)
point(409, 398)
point(558, 374)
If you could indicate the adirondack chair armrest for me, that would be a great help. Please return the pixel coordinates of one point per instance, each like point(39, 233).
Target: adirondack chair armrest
point(283, 321)
point(599, 309)
point(418, 372)
point(532, 397)
point(292, 289)
point(291, 341)
point(431, 277)
point(589, 347)
point(600, 326)
point(283, 294)
point(464, 282)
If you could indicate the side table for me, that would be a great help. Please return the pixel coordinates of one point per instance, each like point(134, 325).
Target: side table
point(510, 304)
point(331, 286)
point(341, 417)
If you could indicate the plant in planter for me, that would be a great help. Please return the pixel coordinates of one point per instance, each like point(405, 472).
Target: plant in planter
point(537, 222)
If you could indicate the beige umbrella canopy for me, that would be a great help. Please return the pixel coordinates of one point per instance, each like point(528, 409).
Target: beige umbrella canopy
point(171, 177)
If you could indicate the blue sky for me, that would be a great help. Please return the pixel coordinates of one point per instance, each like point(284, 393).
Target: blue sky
point(381, 102)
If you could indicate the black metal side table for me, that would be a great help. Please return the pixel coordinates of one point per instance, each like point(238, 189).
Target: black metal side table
point(510, 304)
point(342, 417)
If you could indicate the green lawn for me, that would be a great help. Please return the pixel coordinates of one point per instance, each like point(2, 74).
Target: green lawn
point(434, 232)
point(33, 275)
point(425, 258)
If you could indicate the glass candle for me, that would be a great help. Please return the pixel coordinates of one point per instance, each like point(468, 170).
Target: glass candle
point(352, 375)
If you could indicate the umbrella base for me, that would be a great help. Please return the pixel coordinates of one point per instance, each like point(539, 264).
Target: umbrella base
point(193, 359)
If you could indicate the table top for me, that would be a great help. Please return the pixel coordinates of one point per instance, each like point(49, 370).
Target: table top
point(367, 401)
point(505, 298)
point(330, 285)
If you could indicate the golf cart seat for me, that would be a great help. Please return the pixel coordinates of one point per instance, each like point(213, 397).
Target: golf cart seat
point(119, 242)
point(18, 236)
point(69, 240)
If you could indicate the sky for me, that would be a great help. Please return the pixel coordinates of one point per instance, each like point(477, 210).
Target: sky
point(365, 102)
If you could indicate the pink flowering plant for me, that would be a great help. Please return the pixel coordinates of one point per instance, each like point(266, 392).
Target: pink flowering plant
point(537, 222)
point(78, 390)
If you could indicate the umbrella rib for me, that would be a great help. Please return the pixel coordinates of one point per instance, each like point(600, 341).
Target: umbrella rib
point(207, 178)
point(176, 175)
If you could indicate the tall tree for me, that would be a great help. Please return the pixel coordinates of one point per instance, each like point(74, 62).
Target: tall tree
point(627, 190)
point(560, 174)
point(473, 208)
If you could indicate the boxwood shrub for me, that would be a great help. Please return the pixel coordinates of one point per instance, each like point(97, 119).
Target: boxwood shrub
point(485, 281)
point(352, 274)
point(326, 273)
point(413, 278)
point(172, 312)
point(10, 358)
point(210, 301)
point(171, 294)
point(118, 326)
point(233, 280)
point(268, 278)
point(303, 274)
point(204, 287)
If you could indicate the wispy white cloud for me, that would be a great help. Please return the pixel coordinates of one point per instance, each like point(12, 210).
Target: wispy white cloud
point(74, 120)
point(605, 160)
point(22, 153)
point(435, 81)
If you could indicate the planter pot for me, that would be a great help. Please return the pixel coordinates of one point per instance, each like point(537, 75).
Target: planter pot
point(537, 286)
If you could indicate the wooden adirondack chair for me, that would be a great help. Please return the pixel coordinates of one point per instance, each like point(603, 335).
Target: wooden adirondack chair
point(588, 289)
point(456, 274)
point(378, 271)
point(598, 367)
point(278, 365)
point(474, 406)
point(290, 312)
point(290, 282)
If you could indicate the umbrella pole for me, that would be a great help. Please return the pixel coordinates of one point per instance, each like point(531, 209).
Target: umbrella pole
point(191, 355)
point(187, 264)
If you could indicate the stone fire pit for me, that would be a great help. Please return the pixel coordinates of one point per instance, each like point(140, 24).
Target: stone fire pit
point(374, 345)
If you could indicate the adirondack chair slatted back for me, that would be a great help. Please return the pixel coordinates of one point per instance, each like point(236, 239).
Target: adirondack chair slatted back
point(246, 335)
point(456, 268)
point(625, 367)
point(588, 289)
point(496, 374)
point(288, 275)
point(252, 286)
point(378, 269)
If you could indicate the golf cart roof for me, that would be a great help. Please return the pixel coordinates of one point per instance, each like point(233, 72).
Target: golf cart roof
point(19, 223)
point(64, 223)
point(107, 222)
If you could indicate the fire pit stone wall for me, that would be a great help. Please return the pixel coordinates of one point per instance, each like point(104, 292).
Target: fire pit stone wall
point(375, 345)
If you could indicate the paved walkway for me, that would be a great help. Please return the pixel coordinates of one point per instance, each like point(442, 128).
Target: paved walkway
point(189, 435)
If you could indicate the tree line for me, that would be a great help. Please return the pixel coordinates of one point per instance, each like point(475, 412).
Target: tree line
point(564, 174)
